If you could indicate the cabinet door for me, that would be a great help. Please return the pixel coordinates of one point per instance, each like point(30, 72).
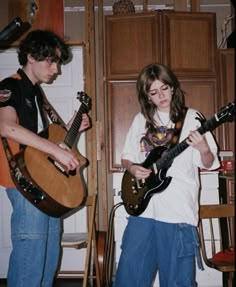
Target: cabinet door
point(189, 43)
point(131, 43)
point(201, 95)
point(226, 73)
point(122, 107)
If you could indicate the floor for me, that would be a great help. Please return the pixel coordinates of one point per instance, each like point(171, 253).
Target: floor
point(58, 283)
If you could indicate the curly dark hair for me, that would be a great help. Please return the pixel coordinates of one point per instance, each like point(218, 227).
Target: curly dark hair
point(146, 77)
point(42, 44)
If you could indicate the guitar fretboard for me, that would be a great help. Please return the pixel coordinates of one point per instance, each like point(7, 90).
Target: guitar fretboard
point(73, 131)
point(166, 160)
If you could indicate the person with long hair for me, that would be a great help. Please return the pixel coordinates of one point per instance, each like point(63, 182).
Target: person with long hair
point(164, 236)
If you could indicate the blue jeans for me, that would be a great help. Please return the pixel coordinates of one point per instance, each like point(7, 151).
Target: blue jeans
point(149, 245)
point(36, 244)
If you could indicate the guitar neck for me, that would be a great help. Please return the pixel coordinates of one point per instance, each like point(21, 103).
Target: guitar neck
point(73, 131)
point(166, 160)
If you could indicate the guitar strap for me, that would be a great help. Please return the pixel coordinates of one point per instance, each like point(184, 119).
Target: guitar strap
point(12, 163)
point(23, 183)
point(16, 177)
point(7, 149)
point(12, 148)
point(46, 109)
point(178, 128)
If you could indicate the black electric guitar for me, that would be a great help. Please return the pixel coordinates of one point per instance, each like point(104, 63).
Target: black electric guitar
point(137, 193)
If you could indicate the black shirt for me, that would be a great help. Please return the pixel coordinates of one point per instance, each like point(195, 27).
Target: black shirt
point(20, 93)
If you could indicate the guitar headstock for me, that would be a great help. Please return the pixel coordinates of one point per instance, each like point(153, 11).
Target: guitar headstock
point(226, 113)
point(84, 99)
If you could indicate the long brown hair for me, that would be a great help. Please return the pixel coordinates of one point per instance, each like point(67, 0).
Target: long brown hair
point(146, 77)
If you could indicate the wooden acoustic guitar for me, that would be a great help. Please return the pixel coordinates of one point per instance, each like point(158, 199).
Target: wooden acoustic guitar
point(136, 193)
point(45, 182)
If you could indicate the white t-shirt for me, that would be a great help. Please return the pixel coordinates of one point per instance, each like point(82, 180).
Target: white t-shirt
point(179, 202)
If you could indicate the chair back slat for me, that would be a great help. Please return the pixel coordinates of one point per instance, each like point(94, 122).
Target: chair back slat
point(216, 234)
point(216, 211)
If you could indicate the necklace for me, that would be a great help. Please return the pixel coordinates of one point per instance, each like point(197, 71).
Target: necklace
point(162, 123)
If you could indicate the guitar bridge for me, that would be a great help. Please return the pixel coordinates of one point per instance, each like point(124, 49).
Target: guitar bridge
point(140, 183)
point(58, 166)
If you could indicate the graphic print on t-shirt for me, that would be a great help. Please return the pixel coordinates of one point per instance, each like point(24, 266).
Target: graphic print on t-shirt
point(160, 136)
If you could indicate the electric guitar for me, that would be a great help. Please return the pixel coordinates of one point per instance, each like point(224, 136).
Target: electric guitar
point(136, 193)
point(46, 183)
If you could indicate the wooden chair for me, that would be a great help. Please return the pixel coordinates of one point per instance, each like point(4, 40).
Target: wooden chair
point(216, 228)
point(84, 240)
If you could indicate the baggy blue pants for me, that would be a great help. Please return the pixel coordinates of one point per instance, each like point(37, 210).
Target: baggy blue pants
point(149, 245)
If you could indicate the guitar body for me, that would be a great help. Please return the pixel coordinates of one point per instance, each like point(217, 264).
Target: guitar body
point(135, 193)
point(62, 192)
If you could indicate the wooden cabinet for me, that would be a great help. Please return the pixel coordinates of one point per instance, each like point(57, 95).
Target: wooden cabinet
point(189, 43)
point(184, 41)
point(226, 86)
point(132, 41)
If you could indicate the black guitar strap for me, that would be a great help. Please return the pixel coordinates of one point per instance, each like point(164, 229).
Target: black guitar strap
point(8, 151)
point(178, 128)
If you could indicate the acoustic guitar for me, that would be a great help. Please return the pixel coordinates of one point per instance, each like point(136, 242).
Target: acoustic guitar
point(46, 183)
point(136, 193)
